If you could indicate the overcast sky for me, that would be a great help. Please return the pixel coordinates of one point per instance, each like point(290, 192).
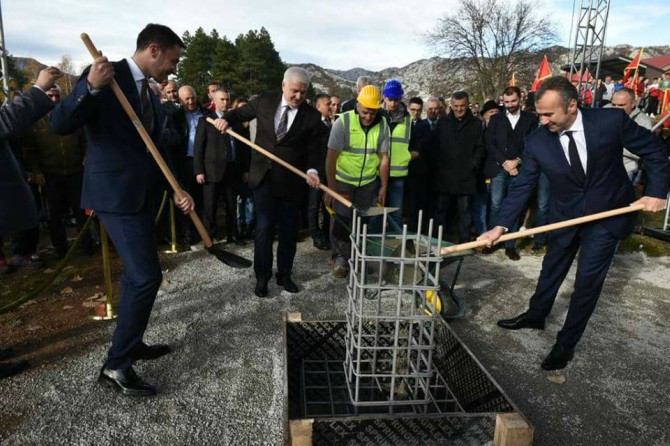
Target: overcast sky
point(334, 34)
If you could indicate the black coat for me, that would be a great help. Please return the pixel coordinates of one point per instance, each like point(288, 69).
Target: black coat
point(210, 151)
point(17, 208)
point(300, 146)
point(455, 151)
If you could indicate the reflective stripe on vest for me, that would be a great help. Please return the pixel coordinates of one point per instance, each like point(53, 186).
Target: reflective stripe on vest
point(358, 162)
point(400, 156)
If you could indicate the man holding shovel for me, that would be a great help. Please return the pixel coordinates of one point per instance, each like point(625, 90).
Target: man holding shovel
point(580, 152)
point(289, 128)
point(117, 174)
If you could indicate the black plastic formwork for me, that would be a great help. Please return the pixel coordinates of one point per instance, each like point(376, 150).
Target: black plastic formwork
point(463, 414)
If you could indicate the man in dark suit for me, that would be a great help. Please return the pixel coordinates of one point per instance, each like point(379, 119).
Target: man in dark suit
point(580, 152)
point(117, 179)
point(289, 128)
point(215, 168)
point(18, 211)
point(505, 135)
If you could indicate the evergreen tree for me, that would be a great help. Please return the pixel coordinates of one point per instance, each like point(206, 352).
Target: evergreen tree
point(225, 65)
point(196, 63)
point(260, 67)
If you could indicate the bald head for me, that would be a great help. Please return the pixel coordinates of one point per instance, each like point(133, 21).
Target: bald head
point(188, 98)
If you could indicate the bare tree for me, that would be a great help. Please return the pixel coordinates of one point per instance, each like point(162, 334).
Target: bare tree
point(488, 40)
point(67, 67)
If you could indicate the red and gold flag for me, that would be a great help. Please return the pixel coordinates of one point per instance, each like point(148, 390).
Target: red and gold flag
point(543, 73)
point(632, 68)
point(665, 108)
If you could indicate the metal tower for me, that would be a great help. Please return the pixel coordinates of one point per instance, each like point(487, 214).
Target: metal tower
point(3, 60)
point(591, 24)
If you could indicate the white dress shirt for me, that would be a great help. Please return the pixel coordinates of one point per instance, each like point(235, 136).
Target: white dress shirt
point(138, 76)
point(513, 119)
point(291, 114)
point(577, 130)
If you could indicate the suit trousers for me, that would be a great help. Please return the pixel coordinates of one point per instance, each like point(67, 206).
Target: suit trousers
point(132, 235)
point(280, 215)
point(596, 246)
point(445, 207)
point(211, 193)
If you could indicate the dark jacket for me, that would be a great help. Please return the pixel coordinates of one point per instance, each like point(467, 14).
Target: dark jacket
point(17, 205)
point(504, 143)
point(300, 146)
point(607, 186)
point(48, 152)
point(210, 152)
point(455, 151)
point(119, 170)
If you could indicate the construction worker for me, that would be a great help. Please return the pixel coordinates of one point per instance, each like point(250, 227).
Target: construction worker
point(401, 129)
point(357, 166)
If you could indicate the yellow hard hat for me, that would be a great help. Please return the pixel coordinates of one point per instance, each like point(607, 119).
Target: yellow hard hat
point(370, 97)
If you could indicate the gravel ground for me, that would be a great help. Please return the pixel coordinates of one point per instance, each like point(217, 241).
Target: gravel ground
point(224, 382)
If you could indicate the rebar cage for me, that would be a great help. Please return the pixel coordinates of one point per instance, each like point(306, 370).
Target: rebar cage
point(391, 317)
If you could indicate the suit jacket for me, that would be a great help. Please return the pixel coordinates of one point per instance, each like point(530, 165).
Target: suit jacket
point(504, 143)
point(210, 152)
point(607, 186)
point(300, 146)
point(17, 205)
point(119, 169)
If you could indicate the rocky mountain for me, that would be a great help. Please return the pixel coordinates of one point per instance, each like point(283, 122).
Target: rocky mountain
point(426, 77)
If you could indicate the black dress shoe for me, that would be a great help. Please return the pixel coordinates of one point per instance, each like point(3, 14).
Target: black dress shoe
point(558, 357)
point(125, 381)
point(261, 289)
point(288, 284)
point(12, 368)
point(521, 321)
point(149, 352)
point(321, 245)
point(512, 254)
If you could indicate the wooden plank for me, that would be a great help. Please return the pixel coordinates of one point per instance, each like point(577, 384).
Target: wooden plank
point(293, 317)
point(301, 432)
point(512, 429)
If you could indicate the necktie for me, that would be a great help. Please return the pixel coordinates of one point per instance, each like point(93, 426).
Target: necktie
point(433, 124)
point(327, 122)
point(147, 111)
point(575, 162)
point(282, 128)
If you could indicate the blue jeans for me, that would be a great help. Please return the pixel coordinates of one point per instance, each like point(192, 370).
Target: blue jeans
point(499, 187)
point(394, 195)
point(479, 206)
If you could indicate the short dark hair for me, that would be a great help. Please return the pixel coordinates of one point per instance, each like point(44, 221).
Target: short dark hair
point(562, 86)
point(321, 96)
point(416, 100)
point(159, 34)
point(509, 91)
point(458, 95)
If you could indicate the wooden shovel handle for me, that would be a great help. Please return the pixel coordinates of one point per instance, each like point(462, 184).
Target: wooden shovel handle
point(289, 166)
point(149, 143)
point(545, 228)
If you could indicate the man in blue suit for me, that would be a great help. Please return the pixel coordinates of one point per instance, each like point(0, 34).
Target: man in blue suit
point(17, 206)
point(580, 152)
point(117, 177)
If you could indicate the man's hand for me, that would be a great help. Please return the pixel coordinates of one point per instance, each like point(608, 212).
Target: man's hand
point(101, 73)
point(651, 204)
point(221, 125)
point(381, 199)
point(186, 204)
point(510, 165)
point(313, 180)
point(328, 200)
point(200, 178)
point(38, 179)
point(492, 236)
point(513, 172)
point(47, 78)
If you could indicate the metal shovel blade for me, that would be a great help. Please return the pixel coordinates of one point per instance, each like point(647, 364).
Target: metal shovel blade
point(374, 211)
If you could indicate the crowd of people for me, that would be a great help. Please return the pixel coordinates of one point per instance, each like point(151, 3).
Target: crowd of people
point(457, 165)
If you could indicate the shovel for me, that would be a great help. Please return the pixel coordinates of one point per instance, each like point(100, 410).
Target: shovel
point(373, 211)
point(546, 228)
point(224, 256)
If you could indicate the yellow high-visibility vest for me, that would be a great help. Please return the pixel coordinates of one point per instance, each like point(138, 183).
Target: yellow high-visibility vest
point(358, 162)
point(399, 149)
